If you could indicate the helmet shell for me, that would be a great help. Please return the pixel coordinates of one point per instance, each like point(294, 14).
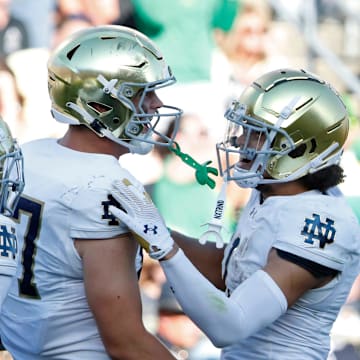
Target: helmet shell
point(318, 119)
point(115, 52)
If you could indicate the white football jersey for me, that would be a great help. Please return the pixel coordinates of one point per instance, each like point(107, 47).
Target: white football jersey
point(66, 196)
point(320, 228)
point(8, 254)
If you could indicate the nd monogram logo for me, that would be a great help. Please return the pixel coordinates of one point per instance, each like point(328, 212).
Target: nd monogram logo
point(314, 229)
point(8, 242)
point(107, 215)
point(147, 228)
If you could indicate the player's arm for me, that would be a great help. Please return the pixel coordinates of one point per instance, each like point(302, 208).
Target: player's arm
point(113, 295)
point(295, 275)
point(254, 304)
point(207, 258)
point(135, 204)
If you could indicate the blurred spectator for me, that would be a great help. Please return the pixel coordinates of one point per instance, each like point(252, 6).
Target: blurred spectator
point(179, 333)
point(29, 67)
point(13, 34)
point(33, 84)
point(67, 27)
point(126, 13)
point(37, 17)
point(74, 15)
point(71, 16)
point(184, 31)
point(247, 50)
point(11, 99)
point(97, 12)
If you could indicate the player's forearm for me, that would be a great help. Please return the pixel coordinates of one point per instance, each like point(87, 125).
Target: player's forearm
point(206, 258)
point(253, 305)
point(145, 347)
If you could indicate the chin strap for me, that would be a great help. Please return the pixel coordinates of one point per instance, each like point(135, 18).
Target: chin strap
point(202, 171)
point(215, 225)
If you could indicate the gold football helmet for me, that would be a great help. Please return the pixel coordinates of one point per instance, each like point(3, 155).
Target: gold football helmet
point(11, 171)
point(286, 124)
point(95, 74)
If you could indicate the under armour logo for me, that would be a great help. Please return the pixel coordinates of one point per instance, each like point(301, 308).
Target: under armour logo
point(314, 229)
point(147, 228)
point(252, 212)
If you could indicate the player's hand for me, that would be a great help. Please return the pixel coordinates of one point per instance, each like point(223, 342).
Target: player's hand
point(142, 217)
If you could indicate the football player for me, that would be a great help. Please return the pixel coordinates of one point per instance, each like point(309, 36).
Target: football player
point(11, 186)
point(295, 253)
point(76, 295)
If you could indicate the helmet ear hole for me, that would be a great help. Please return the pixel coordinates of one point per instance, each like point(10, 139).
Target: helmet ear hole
point(298, 152)
point(313, 146)
point(301, 149)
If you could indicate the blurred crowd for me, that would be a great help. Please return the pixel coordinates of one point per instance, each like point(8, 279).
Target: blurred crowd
point(215, 48)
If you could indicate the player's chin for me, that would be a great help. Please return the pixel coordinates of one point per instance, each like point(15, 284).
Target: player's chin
point(244, 164)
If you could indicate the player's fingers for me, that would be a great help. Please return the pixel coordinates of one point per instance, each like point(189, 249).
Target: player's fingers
point(124, 190)
point(125, 196)
point(119, 191)
point(118, 213)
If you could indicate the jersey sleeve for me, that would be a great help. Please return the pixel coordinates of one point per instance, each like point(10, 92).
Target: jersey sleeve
point(320, 231)
point(90, 216)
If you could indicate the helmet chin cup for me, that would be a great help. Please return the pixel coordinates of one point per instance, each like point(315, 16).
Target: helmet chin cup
point(140, 147)
point(246, 178)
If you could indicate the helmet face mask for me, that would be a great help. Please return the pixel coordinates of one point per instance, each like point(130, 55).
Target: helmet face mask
point(285, 125)
point(148, 126)
point(11, 171)
point(95, 77)
point(248, 147)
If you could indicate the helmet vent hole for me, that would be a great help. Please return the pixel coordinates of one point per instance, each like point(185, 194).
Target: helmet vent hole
point(335, 127)
point(98, 107)
point(72, 52)
point(139, 66)
point(313, 146)
point(299, 151)
point(304, 104)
